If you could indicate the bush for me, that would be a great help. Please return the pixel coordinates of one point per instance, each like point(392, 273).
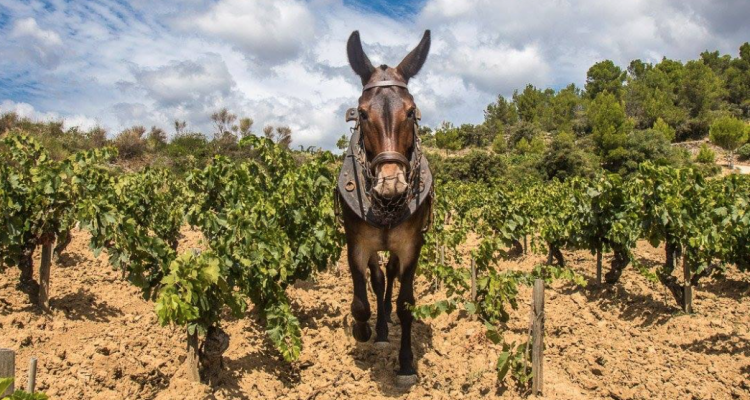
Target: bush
point(728, 133)
point(446, 137)
point(706, 155)
point(188, 150)
point(130, 142)
point(473, 167)
point(523, 130)
point(665, 129)
point(499, 145)
point(743, 153)
point(565, 158)
point(646, 145)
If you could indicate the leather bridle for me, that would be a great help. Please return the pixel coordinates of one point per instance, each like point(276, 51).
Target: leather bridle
point(374, 209)
point(387, 156)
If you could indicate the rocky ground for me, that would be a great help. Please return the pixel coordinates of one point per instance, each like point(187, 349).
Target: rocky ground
point(627, 341)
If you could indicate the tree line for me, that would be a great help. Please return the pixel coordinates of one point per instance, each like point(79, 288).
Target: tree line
point(620, 118)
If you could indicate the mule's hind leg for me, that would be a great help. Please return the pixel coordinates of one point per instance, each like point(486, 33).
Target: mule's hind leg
point(378, 286)
point(360, 306)
point(391, 270)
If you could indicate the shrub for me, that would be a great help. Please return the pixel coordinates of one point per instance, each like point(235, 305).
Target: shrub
point(728, 133)
point(565, 158)
point(130, 142)
point(446, 137)
point(706, 155)
point(499, 145)
point(743, 153)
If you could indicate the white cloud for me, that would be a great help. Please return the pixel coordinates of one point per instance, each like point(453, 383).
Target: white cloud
point(268, 32)
point(40, 45)
point(181, 82)
point(284, 61)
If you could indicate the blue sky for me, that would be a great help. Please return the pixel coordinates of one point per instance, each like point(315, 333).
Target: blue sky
point(120, 63)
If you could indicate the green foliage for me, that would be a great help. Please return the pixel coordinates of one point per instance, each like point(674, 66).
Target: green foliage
point(700, 89)
point(648, 145)
point(664, 128)
point(529, 103)
point(19, 394)
point(743, 153)
point(500, 113)
point(40, 197)
point(707, 156)
point(195, 291)
point(188, 151)
point(728, 133)
point(604, 77)
point(447, 137)
point(610, 126)
point(523, 130)
point(342, 143)
point(499, 144)
point(270, 222)
point(474, 166)
point(565, 158)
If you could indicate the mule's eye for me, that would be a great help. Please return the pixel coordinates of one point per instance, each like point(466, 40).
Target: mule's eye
point(362, 114)
point(411, 113)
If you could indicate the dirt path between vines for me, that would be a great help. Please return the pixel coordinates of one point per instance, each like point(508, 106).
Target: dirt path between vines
point(629, 341)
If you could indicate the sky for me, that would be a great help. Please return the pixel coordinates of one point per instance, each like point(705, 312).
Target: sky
point(283, 62)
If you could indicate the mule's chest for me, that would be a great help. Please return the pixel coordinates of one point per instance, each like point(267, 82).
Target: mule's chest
point(395, 240)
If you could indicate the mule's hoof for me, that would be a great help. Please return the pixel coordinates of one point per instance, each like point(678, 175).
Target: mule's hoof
point(361, 331)
point(383, 344)
point(405, 381)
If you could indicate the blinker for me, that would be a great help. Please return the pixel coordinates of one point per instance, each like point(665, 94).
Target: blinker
point(351, 115)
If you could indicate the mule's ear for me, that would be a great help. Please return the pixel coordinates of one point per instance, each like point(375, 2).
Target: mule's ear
point(413, 62)
point(358, 59)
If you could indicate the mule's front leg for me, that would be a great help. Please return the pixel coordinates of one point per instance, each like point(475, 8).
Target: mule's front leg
point(404, 301)
point(360, 306)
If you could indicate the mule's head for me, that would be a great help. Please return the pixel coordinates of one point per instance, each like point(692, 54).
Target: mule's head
point(387, 115)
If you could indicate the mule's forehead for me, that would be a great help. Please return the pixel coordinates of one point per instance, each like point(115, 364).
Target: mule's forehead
point(393, 96)
point(386, 73)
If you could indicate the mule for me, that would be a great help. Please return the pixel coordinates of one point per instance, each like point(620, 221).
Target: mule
point(387, 191)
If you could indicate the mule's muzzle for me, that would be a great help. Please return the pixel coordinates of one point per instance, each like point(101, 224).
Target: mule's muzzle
point(390, 169)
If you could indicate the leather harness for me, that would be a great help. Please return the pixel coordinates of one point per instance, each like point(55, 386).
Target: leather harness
point(355, 181)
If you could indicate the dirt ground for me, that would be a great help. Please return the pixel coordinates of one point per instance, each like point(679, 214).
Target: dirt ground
point(627, 341)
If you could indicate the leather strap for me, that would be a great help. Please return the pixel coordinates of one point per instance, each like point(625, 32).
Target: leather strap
point(390, 156)
point(383, 83)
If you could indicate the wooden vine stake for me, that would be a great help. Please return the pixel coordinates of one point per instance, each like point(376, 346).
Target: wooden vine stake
point(473, 280)
point(537, 338)
point(31, 384)
point(44, 271)
point(599, 266)
point(8, 369)
point(687, 300)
